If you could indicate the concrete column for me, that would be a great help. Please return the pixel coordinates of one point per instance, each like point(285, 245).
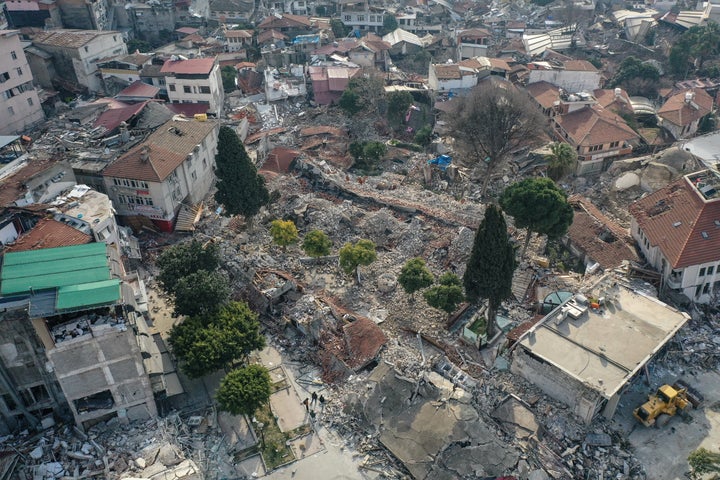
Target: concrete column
point(611, 406)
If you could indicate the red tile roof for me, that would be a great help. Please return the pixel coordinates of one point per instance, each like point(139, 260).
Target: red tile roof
point(139, 89)
point(595, 126)
point(169, 146)
point(188, 109)
point(113, 117)
point(12, 187)
point(238, 34)
point(271, 35)
point(447, 72)
point(187, 30)
point(579, 66)
point(48, 233)
point(364, 341)
point(198, 66)
point(279, 160)
point(674, 219)
point(284, 21)
point(599, 237)
point(681, 112)
point(545, 93)
point(607, 98)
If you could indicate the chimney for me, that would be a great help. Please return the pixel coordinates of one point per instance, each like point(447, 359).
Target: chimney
point(689, 96)
point(618, 93)
point(145, 154)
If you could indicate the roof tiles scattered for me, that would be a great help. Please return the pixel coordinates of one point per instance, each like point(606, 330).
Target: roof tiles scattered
point(49, 233)
point(192, 66)
point(682, 111)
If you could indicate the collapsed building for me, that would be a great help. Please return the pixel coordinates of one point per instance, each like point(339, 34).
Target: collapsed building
point(69, 317)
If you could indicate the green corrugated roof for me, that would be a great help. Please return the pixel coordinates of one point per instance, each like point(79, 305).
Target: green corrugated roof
point(53, 267)
point(88, 294)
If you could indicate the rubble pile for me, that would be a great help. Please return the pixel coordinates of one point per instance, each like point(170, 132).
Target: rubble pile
point(173, 447)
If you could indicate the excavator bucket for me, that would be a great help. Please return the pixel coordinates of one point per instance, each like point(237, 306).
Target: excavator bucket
point(694, 397)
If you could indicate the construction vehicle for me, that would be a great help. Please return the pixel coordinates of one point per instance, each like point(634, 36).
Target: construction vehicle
point(668, 401)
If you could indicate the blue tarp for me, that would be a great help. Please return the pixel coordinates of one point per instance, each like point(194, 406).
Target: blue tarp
point(442, 161)
point(305, 39)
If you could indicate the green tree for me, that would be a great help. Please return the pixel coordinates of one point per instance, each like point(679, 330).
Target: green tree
point(316, 243)
point(561, 160)
point(390, 23)
point(490, 123)
point(693, 47)
point(415, 276)
point(136, 45)
point(244, 390)
point(182, 259)
point(703, 461)
point(424, 136)
point(489, 270)
point(398, 103)
point(339, 29)
point(367, 155)
point(201, 293)
point(352, 256)
point(707, 124)
point(283, 232)
point(539, 206)
point(205, 344)
point(228, 74)
point(350, 102)
point(446, 295)
point(636, 77)
point(239, 187)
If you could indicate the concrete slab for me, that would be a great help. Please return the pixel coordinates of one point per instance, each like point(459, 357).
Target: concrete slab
point(251, 467)
point(307, 445)
point(238, 435)
point(289, 410)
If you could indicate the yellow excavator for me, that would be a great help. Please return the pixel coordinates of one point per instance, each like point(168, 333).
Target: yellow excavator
point(666, 402)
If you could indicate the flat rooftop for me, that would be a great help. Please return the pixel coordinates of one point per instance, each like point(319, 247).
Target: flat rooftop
point(604, 348)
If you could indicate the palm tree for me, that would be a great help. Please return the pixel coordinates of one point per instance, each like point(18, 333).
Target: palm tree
point(561, 160)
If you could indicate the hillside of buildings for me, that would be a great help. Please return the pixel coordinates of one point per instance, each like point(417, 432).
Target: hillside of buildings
point(365, 122)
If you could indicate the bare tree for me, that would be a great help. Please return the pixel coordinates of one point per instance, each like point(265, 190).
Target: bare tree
point(494, 120)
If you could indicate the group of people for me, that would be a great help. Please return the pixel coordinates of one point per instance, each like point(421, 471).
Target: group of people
point(315, 399)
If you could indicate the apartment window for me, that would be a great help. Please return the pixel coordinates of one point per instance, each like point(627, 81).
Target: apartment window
point(372, 18)
point(143, 184)
point(702, 272)
point(711, 270)
point(171, 87)
point(4, 77)
point(193, 175)
point(614, 144)
point(114, 38)
point(706, 288)
point(347, 18)
point(11, 110)
point(186, 89)
point(87, 49)
point(595, 148)
point(361, 18)
point(204, 89)
point(30, 101)
point(13, 55)
point(19, 71)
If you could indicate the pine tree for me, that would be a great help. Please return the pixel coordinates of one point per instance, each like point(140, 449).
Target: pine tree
point(239, 187)
point(492, 262)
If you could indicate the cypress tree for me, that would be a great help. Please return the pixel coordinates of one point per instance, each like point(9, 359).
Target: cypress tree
point(239, 187)
point(492, 262)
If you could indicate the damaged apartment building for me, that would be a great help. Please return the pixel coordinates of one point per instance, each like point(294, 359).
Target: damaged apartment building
point(74, 341)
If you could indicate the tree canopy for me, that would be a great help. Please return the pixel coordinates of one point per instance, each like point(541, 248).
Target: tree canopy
point(339, 29)
point(447, 294)
point(239, 187)
point(367, 155)
point(693, 47)
point(182, 259)
point(283, 232)
point(561, 160)
point(636, 77)
point(350, 102)
point(316, 243)
point(490, 123)
point(415, 276)
point(201, 293)
point(390, 23)
point(352, 255)
point(205, 344)
point(491, 265)
point(244, 390)
point(538, 205)
point(228, 75)
point(397, 105)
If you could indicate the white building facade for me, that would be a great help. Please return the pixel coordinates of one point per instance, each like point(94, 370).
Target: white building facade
point(21, 107)
point(196, 80)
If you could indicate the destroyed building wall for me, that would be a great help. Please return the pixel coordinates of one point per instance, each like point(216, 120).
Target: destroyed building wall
point(28, 389)
point(584, 402)
point(84, 14)
point(148, 21)
point(102, 375)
